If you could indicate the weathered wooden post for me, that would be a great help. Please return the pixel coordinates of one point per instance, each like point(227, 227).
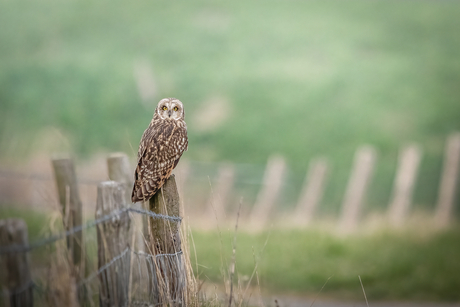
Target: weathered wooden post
point(121, 171)
point(358, 183)
point(164, 238)
point(271, 187)
point(19, 293)
point(113, 241)
point(449, 179)
point(312, 191)
point(69, 199)
point(216, 202)
point(409, 160)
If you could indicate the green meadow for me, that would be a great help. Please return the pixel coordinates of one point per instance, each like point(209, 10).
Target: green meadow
point(298, 78)
point(392, 266)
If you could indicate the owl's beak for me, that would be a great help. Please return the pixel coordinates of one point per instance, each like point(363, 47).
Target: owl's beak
point(169, 113)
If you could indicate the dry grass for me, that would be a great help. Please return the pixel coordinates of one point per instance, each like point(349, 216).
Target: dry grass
point(60, 275)
point(58, 280)
point(241, 293)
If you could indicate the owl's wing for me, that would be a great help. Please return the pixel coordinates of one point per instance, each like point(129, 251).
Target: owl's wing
point(159, 151)
point(181, 143)
point(147, 173)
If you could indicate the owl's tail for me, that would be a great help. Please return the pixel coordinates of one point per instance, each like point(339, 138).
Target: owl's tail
point(143, 191)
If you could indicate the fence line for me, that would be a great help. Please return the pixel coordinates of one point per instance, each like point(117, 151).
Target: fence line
point(312, 192)
point(449, 179)
point(167, 281)
point(118, 257)
point(104, 267)
point(17, 267)
point(24, 290)
point(269, 193)
point(404, 184)
point(31, 283)
point(156, 215)
point(447, 190)
point(62, 235)
point(358, 182)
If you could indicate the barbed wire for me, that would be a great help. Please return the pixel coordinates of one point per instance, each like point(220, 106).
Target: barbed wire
point(121, 255)
point(156, 215)
point(104, 267)
point(27, 248)
point(114, 215)
point(62, 235)
point(147, 255)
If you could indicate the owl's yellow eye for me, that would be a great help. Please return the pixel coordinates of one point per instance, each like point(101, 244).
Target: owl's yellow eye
point(176, 108)
point(165, 108)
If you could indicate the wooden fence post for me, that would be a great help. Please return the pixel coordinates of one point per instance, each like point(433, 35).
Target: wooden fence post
point(449, 179)
point(271, 187)
point(358, 183)
point(69, 199)
point(164, 238)
point(16, 265)
point(121, 171)
point(112, 241)
point(216, 202)
point(409, 161)
point(312, 191)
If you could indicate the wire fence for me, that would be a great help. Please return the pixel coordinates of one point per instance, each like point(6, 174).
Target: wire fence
point(144, 264)
point(62, 235)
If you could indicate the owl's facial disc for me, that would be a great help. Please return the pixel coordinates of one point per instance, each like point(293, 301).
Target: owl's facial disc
point(170, 109)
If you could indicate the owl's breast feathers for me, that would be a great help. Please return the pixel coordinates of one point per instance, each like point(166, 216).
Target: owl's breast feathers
point(161, 147)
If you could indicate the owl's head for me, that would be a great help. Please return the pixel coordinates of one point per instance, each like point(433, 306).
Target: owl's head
point(170, 108)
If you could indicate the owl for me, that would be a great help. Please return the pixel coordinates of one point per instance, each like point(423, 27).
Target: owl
point(162, 144)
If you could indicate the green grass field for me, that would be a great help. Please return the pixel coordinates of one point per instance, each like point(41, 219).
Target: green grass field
point(297, 78)
point(392, 266)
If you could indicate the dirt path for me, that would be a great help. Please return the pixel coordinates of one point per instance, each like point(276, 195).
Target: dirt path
point(292, 301)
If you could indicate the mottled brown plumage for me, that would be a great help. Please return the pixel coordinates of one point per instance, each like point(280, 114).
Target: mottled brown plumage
point(160, 149)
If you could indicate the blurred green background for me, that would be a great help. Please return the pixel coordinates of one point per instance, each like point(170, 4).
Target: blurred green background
point(298, 78)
